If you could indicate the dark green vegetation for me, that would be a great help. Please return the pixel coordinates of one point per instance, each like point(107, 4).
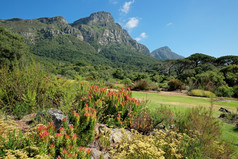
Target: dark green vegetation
point(165, 53)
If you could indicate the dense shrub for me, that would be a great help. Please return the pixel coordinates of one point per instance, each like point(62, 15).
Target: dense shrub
point(168, 144)
point(235, 89)
point(144, 85)
point(46, 141)
point(224, 91)
point(163, 117)
point(142, 122)
point(141, 85)
point(201, 93)
point(209, 129)
point(175, 84)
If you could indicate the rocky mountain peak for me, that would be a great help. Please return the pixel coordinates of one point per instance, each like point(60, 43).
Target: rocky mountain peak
point(98, 17)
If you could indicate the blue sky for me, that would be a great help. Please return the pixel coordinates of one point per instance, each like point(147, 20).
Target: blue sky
point(186, 26)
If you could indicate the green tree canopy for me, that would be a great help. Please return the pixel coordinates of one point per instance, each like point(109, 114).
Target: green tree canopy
point(227, 60)
point(12, 46)
point(199, 58)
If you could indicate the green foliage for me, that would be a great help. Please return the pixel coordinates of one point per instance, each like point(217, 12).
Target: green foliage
point(12, 47)
point(209, 80)
point(210, 143)
point(141, 85)
point(201, 93)
point(175, 84)
point(163, 117)
point(230, 73)
point(224, 91)
point(199, 58)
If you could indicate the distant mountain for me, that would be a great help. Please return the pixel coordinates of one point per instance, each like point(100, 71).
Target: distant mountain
point(165, 53)
point(96, 39)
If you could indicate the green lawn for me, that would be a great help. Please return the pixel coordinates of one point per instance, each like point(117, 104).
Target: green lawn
point(181, 103)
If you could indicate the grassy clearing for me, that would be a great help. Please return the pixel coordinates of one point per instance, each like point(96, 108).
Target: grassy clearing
point(181, 103)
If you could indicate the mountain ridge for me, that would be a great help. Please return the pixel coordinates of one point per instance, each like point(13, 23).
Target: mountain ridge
point(95, 39)
point(165, 53)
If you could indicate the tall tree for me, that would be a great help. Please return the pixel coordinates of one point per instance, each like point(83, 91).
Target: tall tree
point(199, 58)
point(227, 60)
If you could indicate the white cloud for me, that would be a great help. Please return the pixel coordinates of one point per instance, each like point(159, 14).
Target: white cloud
point(169, 24)
point(142, 36)
point(132, 23)
point(138, 39)
point(113, 1)
point(126, 6)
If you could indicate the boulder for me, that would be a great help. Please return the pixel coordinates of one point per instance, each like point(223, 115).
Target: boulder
point(96, 154)
point(224, 110)
point(54, 114)
point(117, 135)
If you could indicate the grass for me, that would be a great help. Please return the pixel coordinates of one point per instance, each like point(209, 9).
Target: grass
point(181, 103)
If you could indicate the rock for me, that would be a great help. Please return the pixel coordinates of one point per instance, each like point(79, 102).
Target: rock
point(224, 110)
point(56, 115)
point(96, 154)
point(117, 135)
point(222, 115)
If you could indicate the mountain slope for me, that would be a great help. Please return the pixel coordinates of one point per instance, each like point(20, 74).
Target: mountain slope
point(165, 53)
point(96, 39)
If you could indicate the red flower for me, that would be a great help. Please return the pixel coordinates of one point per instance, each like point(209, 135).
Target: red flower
point(86, 114)
point(61, 129)
point(65, 150)
point(58, 134)
point(41, 128)
point(64, 119)
point(71, 126)
point(86, 105)
point(88, 151)
point(52, 146)
point(74, 136)
point(67, 137)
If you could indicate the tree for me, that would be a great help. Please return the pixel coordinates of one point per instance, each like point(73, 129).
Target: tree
point(199, 58)
point(12, 46)
point(227, 60)
point(230, 73)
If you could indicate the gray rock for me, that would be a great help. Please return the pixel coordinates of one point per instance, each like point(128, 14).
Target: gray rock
point(224, 110)
point(56, 115)
point(96, 154)
point(117, 135)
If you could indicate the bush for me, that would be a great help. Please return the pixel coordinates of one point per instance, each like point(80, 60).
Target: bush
point(209, 130)
point(144, 85)
point(163, 117)
point(47, 141)
point(142, 123)
point(224, 91)
point(141, 85)
point(168, 144)
point(201, 93)
point(175, 84)
point(235, 89)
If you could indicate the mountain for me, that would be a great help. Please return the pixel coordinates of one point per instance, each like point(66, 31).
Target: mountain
point(96, 39)
point(165, 53)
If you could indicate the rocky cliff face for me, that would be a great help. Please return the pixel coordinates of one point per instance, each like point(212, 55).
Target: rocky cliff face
point(99, 28)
